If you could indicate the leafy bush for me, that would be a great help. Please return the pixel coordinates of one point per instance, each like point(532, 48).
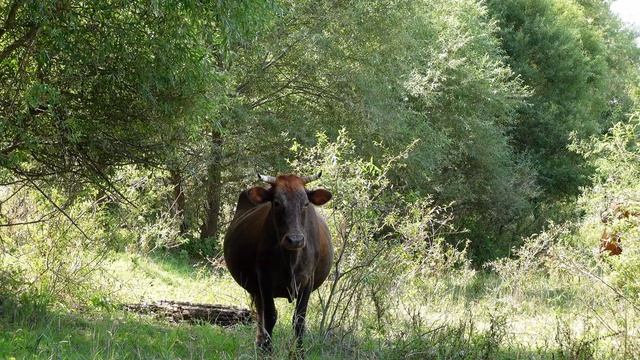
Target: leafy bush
point(145, 221)
point(48, 258)
point(384, 242)
point(54, 239)
point(612, 204)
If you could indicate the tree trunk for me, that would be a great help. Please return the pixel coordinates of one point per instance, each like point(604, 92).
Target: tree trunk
point(209, 228)
point(178, 201)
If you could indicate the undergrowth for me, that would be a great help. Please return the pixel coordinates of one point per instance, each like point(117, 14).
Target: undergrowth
point(484, 318)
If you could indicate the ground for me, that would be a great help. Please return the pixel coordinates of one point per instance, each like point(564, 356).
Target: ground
point(459, 320)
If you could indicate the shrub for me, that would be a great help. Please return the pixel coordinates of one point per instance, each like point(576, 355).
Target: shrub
point(612, 204)
point(383, 241)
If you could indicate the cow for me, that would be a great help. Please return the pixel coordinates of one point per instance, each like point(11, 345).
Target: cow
point(610, 242)
point(279, 246)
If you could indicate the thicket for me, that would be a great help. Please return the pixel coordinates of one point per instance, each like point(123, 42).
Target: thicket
point(450, 132)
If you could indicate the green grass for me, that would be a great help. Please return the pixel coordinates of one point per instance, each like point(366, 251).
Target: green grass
point(126, 336)
point(445, 319)
point(165, 276)
point(102, 331)
point(118, 336)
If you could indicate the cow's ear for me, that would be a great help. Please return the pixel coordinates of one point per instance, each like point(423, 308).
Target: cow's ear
point(319, 196)
point(259, 195)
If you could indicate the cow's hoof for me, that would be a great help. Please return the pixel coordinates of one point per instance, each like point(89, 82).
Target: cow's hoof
point(296, 353)
point(265, 346)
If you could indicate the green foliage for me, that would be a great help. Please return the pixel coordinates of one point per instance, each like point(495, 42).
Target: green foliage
point(467, 157)
point(45, 258)
point(101, 85)
point(147, 223)
point(570, 53)
point(432, 71)
point(382, 241)
point(490, 90)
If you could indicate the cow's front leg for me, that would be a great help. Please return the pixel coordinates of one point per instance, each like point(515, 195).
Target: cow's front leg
point(268, 315)
point(261, 333)
point(299, 316)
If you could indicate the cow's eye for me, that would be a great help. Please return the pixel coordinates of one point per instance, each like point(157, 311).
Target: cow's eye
point(306, 205)
point(277, 203)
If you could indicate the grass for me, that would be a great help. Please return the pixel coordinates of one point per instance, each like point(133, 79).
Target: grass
point(444, 319)
point(102, 331)
point(125, 336)
point(166, 276)
point(117, 336)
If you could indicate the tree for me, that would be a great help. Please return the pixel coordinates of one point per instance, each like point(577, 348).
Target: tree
point(103, 85)
point(100, 85)
point(579, 62)
point(391, 73)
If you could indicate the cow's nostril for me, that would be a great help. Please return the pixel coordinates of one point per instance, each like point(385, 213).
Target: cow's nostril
point(295, 240)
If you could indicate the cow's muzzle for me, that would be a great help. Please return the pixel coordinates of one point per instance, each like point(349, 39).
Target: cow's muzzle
point(293, 241)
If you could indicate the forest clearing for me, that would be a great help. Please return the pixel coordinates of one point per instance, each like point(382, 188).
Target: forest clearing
point(447, 179)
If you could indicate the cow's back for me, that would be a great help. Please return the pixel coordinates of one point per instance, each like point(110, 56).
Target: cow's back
point(243, 206)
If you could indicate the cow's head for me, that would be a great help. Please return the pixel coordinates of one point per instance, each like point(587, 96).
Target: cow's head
point(289, 203)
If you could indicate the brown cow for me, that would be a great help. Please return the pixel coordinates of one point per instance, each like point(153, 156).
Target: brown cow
point(611, 243)
point(279, 246)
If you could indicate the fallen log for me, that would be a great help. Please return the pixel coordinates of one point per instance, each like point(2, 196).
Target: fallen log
point(179, 311)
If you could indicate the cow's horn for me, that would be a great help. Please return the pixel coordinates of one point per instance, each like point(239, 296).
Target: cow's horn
point(266, 178)
point(308, 179)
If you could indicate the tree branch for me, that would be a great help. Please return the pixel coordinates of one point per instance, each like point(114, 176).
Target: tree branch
point(95, 168)
point(22, 41)
point(6, 151)
point(61, 210)
point(13, 194)
point(42, 219)
point(266, 65)
point(11, 17)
